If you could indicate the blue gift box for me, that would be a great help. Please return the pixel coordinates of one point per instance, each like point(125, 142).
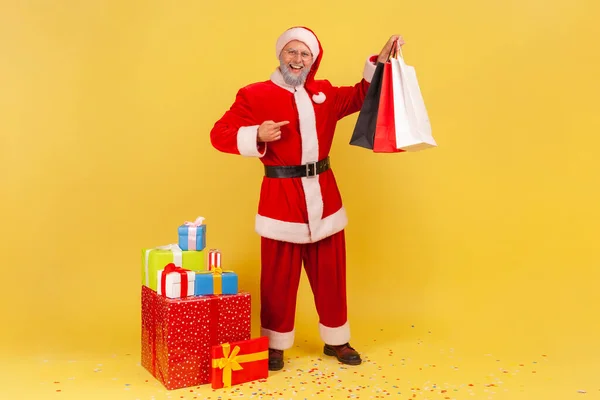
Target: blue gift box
point(183, 232)
point(205, 283)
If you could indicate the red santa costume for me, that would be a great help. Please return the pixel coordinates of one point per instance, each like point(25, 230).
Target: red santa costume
point(301, 220)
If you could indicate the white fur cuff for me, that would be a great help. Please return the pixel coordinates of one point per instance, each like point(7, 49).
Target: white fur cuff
point(369, 70)
point(246, 142)
point(278, 340)
point(335, 336)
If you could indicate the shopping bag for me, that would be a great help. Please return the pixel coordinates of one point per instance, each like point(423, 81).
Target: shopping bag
point(412, 125)
point(364, 130)
point(385, 130)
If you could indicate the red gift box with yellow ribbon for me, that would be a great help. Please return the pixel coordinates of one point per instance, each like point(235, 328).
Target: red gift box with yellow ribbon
point(238, 362)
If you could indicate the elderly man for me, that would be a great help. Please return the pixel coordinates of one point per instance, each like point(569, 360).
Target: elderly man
point(288, 122)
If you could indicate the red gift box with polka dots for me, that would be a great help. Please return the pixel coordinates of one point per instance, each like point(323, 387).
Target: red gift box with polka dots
point(178, 334)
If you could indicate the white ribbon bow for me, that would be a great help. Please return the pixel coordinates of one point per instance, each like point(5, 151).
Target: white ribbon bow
point(199, 221)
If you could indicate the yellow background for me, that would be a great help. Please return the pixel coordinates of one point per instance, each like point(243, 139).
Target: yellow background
point(489, 242)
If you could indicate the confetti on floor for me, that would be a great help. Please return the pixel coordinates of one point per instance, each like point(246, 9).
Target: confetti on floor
point(410, 369)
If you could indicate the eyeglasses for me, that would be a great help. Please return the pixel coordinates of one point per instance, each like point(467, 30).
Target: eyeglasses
point(304, 54)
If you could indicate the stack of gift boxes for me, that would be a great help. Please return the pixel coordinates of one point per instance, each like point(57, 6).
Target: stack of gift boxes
point(195, 322)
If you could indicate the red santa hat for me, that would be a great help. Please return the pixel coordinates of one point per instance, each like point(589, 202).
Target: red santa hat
point(301, 34)
point(309, 38)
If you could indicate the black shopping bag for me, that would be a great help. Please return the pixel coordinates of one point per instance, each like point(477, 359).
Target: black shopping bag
point(364, 130)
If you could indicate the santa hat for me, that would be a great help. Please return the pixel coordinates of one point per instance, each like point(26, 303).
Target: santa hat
point(301, 34)
point(309, 38)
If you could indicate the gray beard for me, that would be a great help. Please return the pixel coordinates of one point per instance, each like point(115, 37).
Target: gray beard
point(291, 79)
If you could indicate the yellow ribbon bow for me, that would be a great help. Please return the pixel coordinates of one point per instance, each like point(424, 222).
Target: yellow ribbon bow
point(231, 361)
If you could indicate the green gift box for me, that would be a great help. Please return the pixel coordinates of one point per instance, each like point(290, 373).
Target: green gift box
point(153, 260)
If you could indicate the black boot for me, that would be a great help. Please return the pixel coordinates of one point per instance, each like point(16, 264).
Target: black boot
point(275, 360)
point(344, 353)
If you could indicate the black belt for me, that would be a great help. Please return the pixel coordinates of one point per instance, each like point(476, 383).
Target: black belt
point(297, 171)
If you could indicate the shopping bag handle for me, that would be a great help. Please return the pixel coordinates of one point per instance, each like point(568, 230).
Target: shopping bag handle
point(396, 48)
point(390, 54)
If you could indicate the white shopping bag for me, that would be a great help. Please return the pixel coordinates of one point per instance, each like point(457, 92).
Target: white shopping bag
point(413, 129)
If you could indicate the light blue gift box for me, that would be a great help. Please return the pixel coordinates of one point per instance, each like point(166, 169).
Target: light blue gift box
point(204, 283)
point(183, 232)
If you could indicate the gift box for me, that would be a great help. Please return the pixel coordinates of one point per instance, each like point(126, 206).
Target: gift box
point(153, 260)
point(192, 235)
point(215, 282)
point(175, 282)
point(214, 259)
point(239, 362)
point(178, 334)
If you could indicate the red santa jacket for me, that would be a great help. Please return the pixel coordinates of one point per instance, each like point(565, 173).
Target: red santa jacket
point(298, 210)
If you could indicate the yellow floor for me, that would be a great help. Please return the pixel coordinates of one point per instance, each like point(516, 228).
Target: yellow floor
point(424, 368)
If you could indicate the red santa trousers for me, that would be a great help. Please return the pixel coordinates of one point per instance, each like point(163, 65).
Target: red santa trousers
point(325, 265)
